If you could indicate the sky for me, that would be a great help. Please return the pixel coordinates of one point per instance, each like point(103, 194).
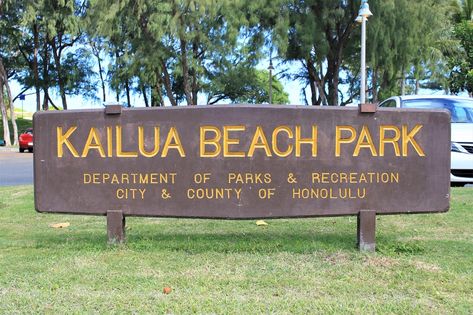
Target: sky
point(293, 88)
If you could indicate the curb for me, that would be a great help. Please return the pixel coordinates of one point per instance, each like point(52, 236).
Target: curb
point(8, 149)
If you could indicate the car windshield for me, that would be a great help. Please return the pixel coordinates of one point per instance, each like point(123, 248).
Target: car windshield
point(460, 110)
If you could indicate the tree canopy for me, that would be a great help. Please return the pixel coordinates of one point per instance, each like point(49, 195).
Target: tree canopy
point(175, 52)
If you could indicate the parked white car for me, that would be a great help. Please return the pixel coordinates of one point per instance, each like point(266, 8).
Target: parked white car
point(461, 110)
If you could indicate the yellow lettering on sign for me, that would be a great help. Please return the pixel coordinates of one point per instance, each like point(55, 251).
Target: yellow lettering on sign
point(312, 141)
point(227, 141)
point(120, 152)
point(93, 142)
point(173, 142)
point(365, 142)
point(109, 142)
point(141, 142)
point(274, 141)
point(63, 139)
point(383, 140)
point(87, 178)
point(339, 140)
point(408, 137)
point(259, 142)
point(215, 141)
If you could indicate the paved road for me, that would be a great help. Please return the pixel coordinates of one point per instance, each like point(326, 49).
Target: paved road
point(16, 168)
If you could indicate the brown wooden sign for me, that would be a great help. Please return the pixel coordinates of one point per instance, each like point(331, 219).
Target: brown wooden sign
point(242, 161)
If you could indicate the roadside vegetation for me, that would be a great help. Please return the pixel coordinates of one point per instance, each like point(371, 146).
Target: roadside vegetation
point(423, 264)
point(185, 52)
point(22, 123)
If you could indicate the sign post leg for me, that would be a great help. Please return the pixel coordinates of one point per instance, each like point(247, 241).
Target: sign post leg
point(366, 234)
point(115, 226)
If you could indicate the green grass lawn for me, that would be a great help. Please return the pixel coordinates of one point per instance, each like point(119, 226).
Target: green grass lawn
point(423, 264)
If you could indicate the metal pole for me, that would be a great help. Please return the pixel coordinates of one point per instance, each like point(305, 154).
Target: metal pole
point(363, 61)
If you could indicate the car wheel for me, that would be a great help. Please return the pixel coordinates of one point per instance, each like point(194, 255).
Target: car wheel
point(22, 150)
point(30, 150)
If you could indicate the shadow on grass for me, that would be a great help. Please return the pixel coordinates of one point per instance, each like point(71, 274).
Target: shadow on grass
point(193, 242)
point(251, 242)
point(302, 241)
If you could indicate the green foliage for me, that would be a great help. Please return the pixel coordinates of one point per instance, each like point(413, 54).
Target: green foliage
point(319, 33)
point(407, 39)
point(461, 78)
point(175, 50)
point(245, 85)
point(257, 89)
point(23, 124)
point(172, 47)
point(81, 78)
point(46, 55)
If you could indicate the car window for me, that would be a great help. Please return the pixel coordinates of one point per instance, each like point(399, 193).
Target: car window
point(388, 103)
point(461, 110)
point(464, 111)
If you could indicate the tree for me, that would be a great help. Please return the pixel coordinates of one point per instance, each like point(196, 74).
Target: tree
point(174, 48)
point(245, 85)
point(319, 32)
point(8, 57)
point(461, 78)
point(51, 36)
point(406, 44)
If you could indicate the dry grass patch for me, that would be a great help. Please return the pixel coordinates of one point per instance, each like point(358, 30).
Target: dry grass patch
point(380, 261)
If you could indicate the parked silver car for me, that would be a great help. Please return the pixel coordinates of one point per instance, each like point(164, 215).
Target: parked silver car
point(461, 110)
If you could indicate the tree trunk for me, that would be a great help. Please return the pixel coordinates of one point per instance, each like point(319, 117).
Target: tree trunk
point(127, 89)
point(4, 80)
point(185, 70)
point(35, 66)
point(145, 96)
point(195, 89)
point(374, 83)
point(417, 87)
point(159, 96)
point(312, 79)
point(117, 62)
point(321, 86)
point(184, 64)
point(195, 84)
point(102, 80)
point(46, 74)
point(403, 82)
point(60, 76)
point(96, 52)
point(3, 109)
point(313, 93)
point(332, 77)
point(52, 103)
point(318, 84)
point(167, 85)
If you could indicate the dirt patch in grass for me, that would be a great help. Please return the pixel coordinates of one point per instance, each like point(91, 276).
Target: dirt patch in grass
point(380, 261)
point(420, 265)
point(337, 258)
